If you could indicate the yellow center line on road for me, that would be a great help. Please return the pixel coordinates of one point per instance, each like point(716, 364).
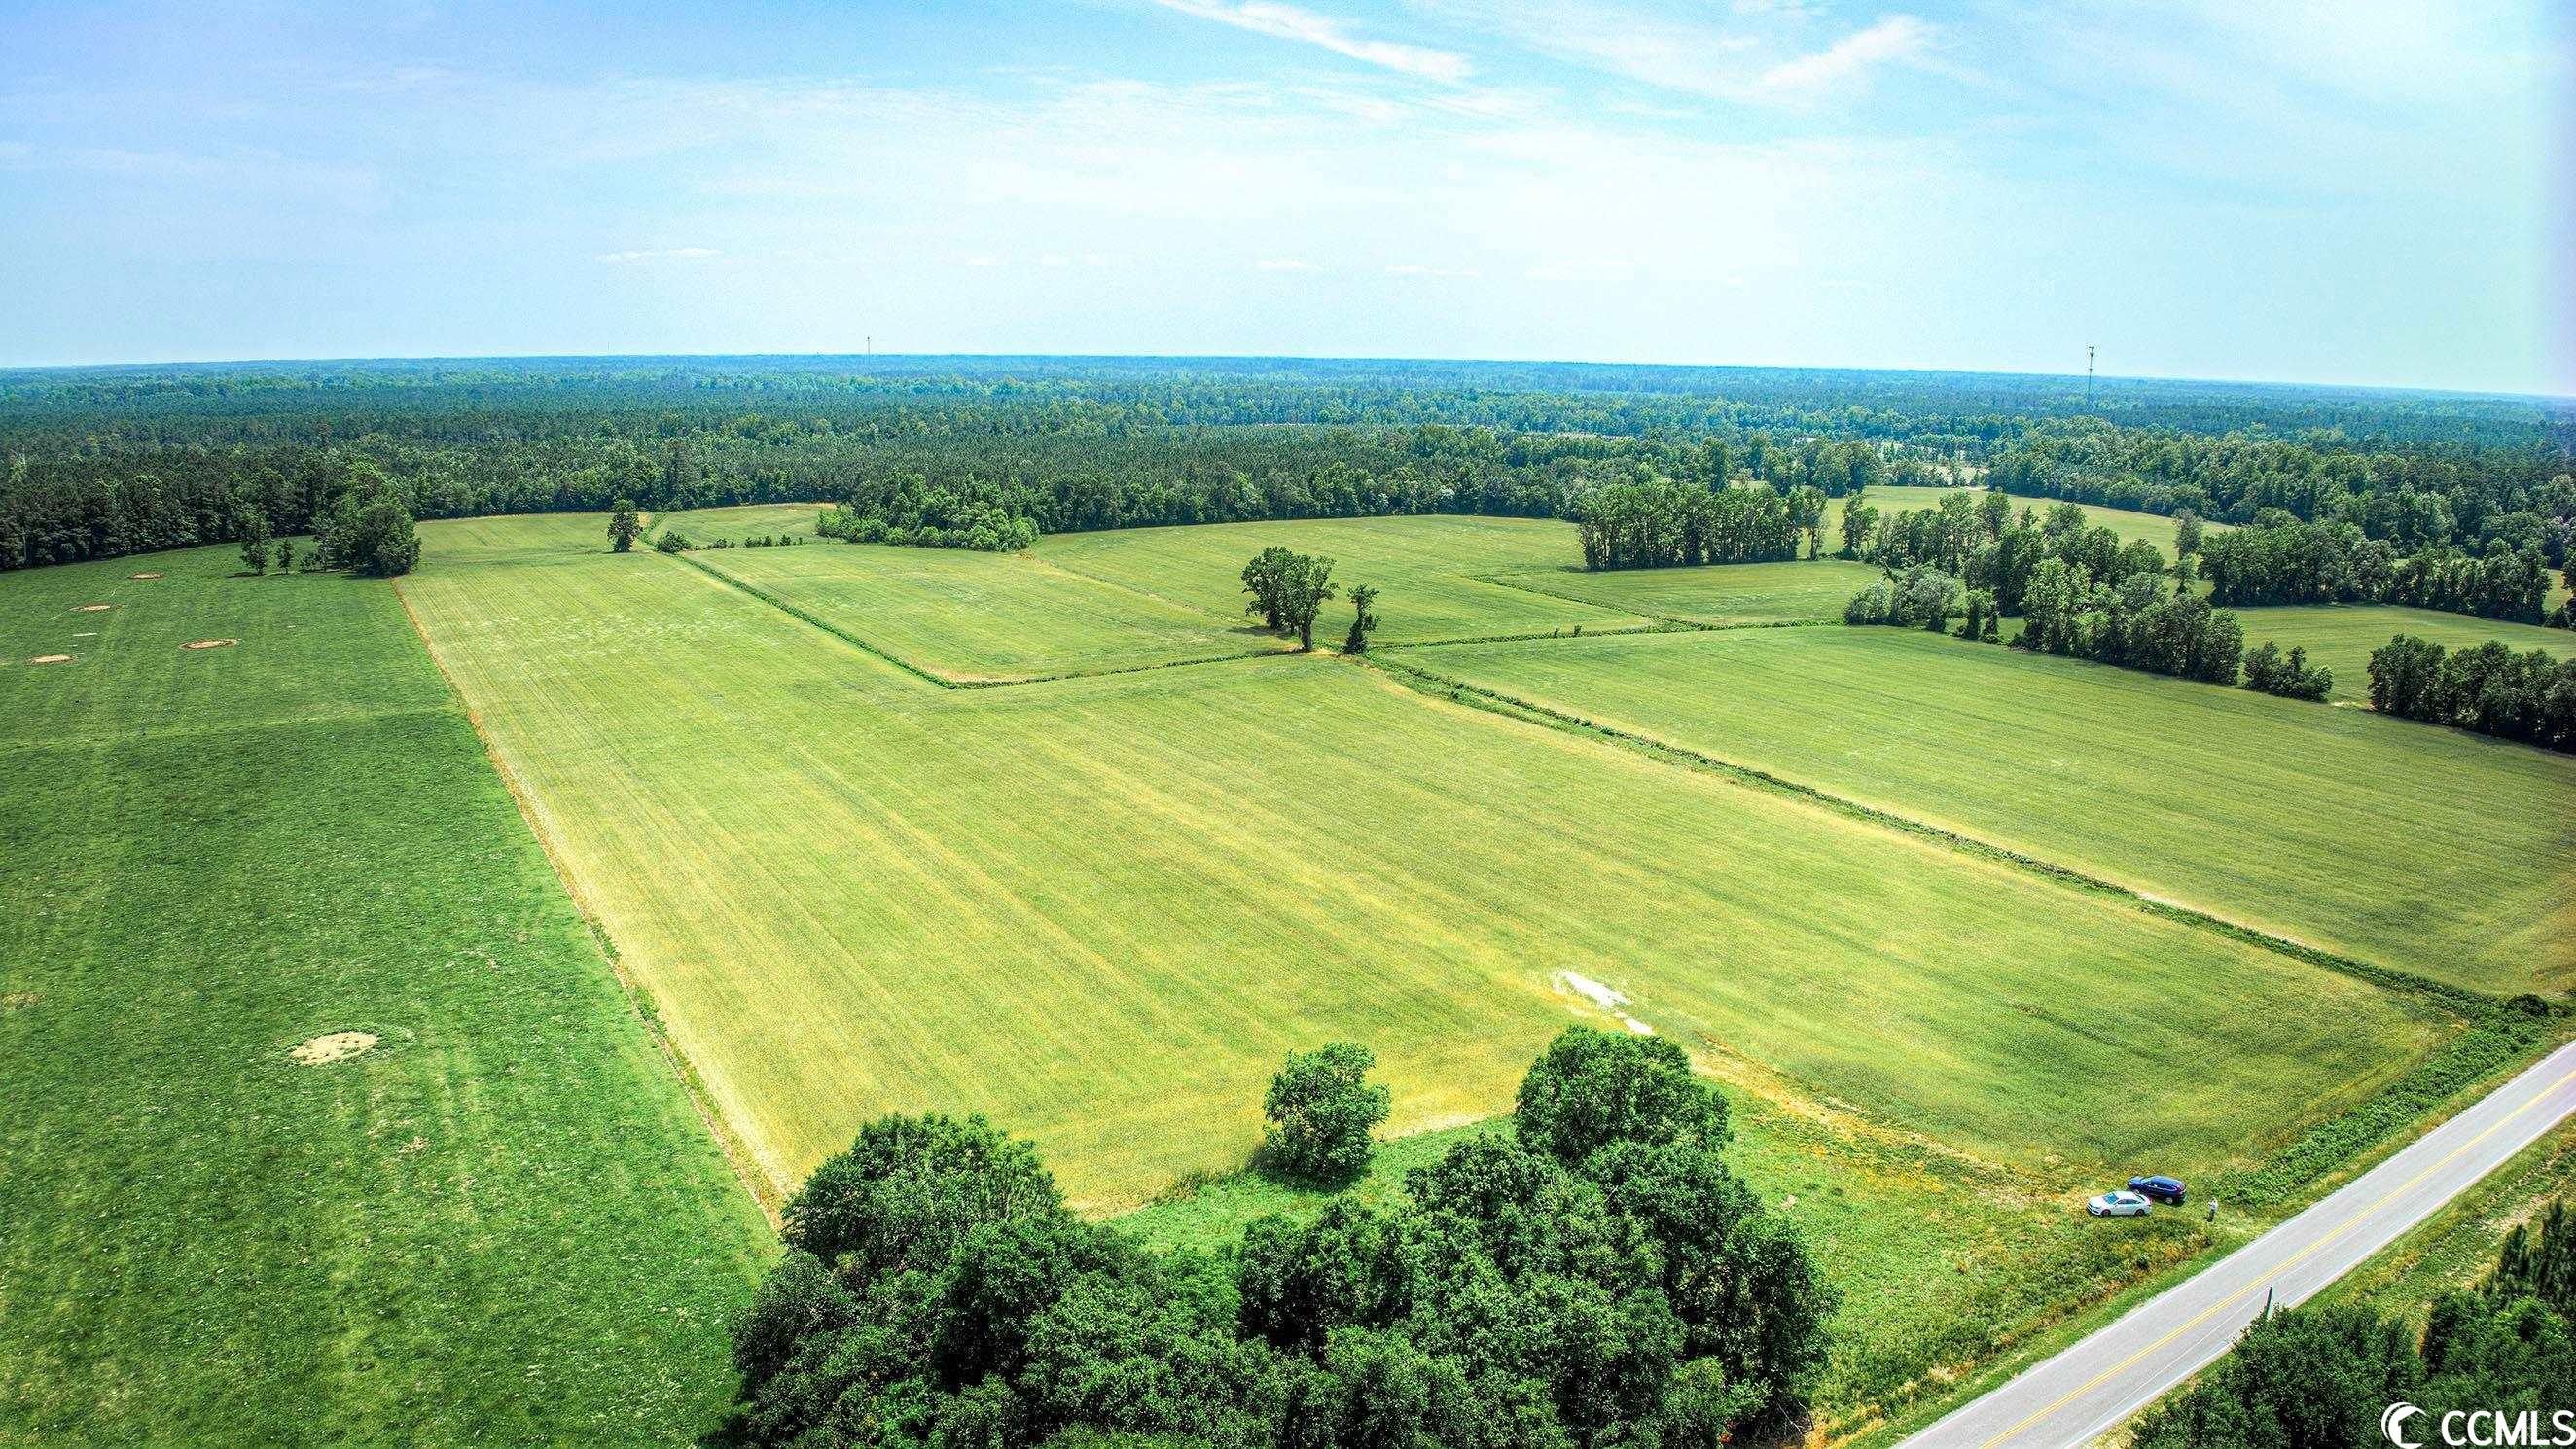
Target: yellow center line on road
point(2276, 1271)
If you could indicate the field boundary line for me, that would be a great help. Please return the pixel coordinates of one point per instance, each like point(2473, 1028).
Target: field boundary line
point(764, 1193)
point(2460, 1000)
point(803, 615)
point(1503, 581)
point(835, 630)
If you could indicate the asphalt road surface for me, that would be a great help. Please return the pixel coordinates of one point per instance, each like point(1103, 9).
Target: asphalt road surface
point(2118, 1370)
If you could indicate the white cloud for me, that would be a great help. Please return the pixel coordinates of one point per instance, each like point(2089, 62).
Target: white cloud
point(665, 254)
point(1286, 264)
point(1896, 38)
point(1751, 54)
point(1415, 269)
point(1290, 22)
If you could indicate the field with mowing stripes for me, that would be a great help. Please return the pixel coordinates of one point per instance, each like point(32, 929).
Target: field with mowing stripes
point(503, 1223)
point(2409, 845)
point(1102, 909)
point(973, 617)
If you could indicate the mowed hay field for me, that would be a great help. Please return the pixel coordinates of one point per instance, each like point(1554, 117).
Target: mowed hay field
point(2408, 845)
point(504, 1222)
point(1720, 595)
point(972, 617)
point(2341, 636)
point(1102, 909)
point(1435, 574)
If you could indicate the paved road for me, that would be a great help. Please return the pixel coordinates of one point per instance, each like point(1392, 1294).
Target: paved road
point(2102, 1380)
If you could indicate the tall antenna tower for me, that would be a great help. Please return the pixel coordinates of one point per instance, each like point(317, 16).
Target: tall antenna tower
point(2088, 374)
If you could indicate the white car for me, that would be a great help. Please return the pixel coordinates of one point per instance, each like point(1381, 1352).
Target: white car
point(2121, 1204)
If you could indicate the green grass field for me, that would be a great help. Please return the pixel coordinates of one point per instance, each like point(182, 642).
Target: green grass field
point(1724, 595)
point(1102, 909)
point(2413, 846)
point(1435, 574)
point(971, 617)
point(504, 1223)
point(2341, 636)
point(754, 520)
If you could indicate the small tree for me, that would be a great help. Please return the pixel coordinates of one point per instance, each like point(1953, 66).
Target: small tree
point(2186, 533)
point(1363, 619)
point(1321, 1108)
point(253, 528)
point(286, 555)
point(623, 526)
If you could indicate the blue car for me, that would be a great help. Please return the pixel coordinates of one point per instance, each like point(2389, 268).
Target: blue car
point(2162, 1189)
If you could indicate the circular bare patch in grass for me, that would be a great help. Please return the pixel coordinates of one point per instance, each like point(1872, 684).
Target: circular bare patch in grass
point(51, 659)
point(92, 608)
point(337, 1046)
point(208, 643)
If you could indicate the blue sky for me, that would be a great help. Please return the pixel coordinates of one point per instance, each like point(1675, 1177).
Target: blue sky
point(2352, 191)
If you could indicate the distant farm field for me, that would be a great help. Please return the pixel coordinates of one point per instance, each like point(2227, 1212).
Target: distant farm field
point(1102, 909)
point(1716, 594)
point(973, 617)
point(2341, 636)
point(501, 1222)
point(1435, 573)
point(2427, 849)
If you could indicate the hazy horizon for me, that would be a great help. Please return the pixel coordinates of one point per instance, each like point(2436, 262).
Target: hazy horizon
point(2366, 195)
point(2077, 377)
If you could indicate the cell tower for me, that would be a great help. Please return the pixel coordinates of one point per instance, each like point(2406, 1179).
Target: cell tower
point(2088, 374)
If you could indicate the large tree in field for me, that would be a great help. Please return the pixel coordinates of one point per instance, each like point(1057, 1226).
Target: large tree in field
point(623, 526)
point(1303, 593)
point(1319, 1112)
point(1288, 589)
point(1263, 579)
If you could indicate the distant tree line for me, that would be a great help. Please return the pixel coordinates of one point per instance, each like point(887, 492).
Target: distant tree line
point(100, 462)
point(2322, 1376)
point(2488, 688)
point(2280, 560)
point(1594, 1276)
point(1979, 539)
point(1661, 523)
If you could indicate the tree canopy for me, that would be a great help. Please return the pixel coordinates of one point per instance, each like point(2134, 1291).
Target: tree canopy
point(1591, 1275)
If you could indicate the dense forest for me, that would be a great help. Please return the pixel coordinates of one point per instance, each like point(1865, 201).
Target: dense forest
point(97, 462)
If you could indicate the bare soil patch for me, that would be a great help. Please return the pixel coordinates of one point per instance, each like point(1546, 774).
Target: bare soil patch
point(334, 1046)
point(208, 643)
point(17, 1001)
point(51, 659)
